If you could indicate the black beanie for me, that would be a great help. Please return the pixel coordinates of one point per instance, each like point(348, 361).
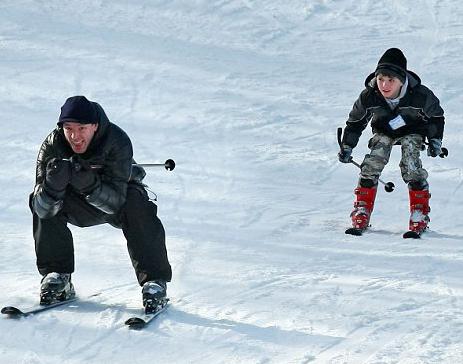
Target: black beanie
point(394, 63)
point(78, 109)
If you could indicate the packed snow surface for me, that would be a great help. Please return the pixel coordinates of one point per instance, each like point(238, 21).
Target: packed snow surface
point(246, 97)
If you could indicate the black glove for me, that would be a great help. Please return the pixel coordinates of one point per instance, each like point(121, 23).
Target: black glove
point(83, 178)
point(345, 153)
point(434, 147)
point(57, 177)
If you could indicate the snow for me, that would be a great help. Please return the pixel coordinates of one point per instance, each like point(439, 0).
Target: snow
point(245, 96)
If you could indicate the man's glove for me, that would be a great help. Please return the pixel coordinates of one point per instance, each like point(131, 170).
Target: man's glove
point(83, 178)
point(345, 153)
point(57, 177)
point(434, 147)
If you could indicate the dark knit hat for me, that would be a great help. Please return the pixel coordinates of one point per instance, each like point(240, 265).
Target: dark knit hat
point(78, 109)
point(394, 63)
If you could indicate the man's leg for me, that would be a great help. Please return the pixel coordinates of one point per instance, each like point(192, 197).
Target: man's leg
point(145, 236)
point(53, 239)
point(53, 245)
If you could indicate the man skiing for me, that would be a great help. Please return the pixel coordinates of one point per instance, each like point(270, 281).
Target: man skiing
point(401, 111)
point(86, 176)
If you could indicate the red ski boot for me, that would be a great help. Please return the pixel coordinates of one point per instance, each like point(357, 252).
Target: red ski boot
point(419, 210)
point(363, 207)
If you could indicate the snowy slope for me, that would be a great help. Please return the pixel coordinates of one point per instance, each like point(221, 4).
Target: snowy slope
point(246, 96)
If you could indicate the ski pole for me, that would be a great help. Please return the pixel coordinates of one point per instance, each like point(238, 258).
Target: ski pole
point(388, 186)
point(168, 165)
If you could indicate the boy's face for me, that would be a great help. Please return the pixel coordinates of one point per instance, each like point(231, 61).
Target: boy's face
point(389, 86)
point(79, 135)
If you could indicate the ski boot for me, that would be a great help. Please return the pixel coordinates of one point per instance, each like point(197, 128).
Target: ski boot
point(419, 210)
point(154, 295)
point(56, 287)
point(363, 207)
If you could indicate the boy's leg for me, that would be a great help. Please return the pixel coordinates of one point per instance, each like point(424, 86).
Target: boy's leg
point(373, 164)
point(415, 176)
point(411, 167)
point(145, 236)
point(371, 168)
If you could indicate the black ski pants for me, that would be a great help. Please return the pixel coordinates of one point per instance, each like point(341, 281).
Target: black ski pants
point(138, 220)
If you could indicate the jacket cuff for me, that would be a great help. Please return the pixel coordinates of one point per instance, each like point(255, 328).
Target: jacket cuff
point(45, 205)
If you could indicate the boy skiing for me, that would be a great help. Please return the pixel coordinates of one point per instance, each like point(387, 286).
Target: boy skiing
point(401, 111)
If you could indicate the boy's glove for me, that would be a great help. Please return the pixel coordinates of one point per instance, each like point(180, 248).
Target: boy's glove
point(434, 147)
point(345, 153)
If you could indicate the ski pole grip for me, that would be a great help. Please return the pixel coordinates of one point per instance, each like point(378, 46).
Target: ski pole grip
point(340, 137)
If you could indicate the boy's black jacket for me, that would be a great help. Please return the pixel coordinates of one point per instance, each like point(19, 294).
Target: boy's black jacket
point(419, 108)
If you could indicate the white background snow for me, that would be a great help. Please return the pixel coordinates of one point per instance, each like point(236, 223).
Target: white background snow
point(245, 96)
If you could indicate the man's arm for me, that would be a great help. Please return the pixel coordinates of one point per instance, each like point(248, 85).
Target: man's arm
point(110, 192)
point(45, 203)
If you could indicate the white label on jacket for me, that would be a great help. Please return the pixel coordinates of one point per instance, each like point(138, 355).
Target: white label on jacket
point(396, 123)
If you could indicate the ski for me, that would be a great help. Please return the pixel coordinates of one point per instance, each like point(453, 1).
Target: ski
point(355, 231)
point(14, 312)
point(135, 322)
point(139, 322)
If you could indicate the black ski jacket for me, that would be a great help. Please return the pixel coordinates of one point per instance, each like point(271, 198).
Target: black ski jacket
point(419, 108)
point(110, 147)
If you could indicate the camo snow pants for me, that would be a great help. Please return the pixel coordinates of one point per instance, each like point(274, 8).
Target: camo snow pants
point(411, 167)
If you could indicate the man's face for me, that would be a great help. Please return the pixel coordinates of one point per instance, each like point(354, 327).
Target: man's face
point(388, 86)
point(79, 135)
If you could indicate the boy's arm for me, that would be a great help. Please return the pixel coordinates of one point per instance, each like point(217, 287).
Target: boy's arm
point(435, 116)
point(357, 122)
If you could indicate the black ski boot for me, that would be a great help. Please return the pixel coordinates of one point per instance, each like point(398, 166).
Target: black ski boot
point(154, 295)
point(56, 287)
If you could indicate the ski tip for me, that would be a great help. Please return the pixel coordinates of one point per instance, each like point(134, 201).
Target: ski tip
point(354, 231)
point(135, 323)
point(12, 311)
point(411, 235)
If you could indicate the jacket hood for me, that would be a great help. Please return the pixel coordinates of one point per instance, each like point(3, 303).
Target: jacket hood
point(101, 132)
point(103, 120)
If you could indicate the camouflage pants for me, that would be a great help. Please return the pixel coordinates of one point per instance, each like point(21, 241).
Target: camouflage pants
point(410, 164)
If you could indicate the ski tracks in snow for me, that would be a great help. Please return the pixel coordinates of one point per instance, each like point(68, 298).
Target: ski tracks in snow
point(246, 97)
